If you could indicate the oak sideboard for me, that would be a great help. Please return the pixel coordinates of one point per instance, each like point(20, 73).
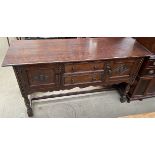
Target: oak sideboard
point(59, 64)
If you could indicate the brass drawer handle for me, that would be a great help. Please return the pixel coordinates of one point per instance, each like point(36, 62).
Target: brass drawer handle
point(95, 67)
point(151, 71)
point(73, 69)
point(41, 77)
point(94, 79)
point(72, 81)
point(154, 63)
point(109, 70)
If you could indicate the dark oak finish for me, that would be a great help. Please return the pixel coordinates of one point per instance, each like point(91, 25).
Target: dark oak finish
point(72, 50)
point(144, 85)
point(48, 65)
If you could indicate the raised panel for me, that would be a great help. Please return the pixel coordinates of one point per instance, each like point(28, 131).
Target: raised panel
point(121, 68)
point(41, 76)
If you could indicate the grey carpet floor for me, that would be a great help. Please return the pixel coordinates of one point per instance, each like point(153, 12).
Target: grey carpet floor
point(97, 105)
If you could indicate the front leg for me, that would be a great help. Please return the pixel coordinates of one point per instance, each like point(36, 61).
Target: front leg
point(28, 106)
point(124, 94)
point(20, 74)
point(123, 99)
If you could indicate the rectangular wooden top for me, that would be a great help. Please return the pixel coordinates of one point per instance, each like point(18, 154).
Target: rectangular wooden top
point(72, 50)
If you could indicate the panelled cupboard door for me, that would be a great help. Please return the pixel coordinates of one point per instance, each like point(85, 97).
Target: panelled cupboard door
point(121, 70)
point(145, 86)
point(40, 77)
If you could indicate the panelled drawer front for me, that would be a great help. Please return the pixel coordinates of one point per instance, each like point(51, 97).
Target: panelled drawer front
point(83, 78)
point(83, 66)
point(149, 71)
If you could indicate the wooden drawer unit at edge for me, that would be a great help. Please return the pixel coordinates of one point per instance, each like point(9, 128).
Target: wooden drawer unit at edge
point(148, 72)
point(151, 63)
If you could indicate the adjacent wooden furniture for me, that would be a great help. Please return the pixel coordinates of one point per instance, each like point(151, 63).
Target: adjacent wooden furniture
point(48, 65)
point(144, 85)
point(144, 115)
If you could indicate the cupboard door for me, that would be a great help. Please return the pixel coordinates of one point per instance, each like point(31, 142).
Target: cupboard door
point(41, 77)
point(145, 86)
point(142, 86)
point(121, 70)
point(151, 87)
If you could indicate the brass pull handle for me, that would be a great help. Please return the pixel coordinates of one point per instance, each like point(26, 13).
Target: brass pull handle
point(94, 79)
point(109, 70)
point(95, 67)
point(72, 81)
point(154, 63)
point(73, 69)
point(41, 77)
point(151, 71)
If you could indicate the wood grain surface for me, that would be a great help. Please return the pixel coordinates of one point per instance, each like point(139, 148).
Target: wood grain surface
point(144, 115)
point(64, 50)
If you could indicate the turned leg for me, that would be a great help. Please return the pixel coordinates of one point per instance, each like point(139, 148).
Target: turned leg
point(123, 98)
point(28, 106)
point(128, 100)
point(124, 94)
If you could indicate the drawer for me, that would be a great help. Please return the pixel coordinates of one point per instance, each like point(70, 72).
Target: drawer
point(83, 66)
point(151, 63)
point(149, 71)
point(73, 79)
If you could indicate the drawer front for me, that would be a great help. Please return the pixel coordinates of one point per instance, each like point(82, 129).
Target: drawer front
point(151, 63)
point(149, 71)
point(83, 78)
point(83, 66)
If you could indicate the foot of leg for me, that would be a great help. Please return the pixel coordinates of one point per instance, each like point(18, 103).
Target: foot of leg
point(28, 106)
point(123, 99)
point(30, 112)
point(128, 100)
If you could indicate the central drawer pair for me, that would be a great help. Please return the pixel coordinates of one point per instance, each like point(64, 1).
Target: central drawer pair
point(83, 73)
